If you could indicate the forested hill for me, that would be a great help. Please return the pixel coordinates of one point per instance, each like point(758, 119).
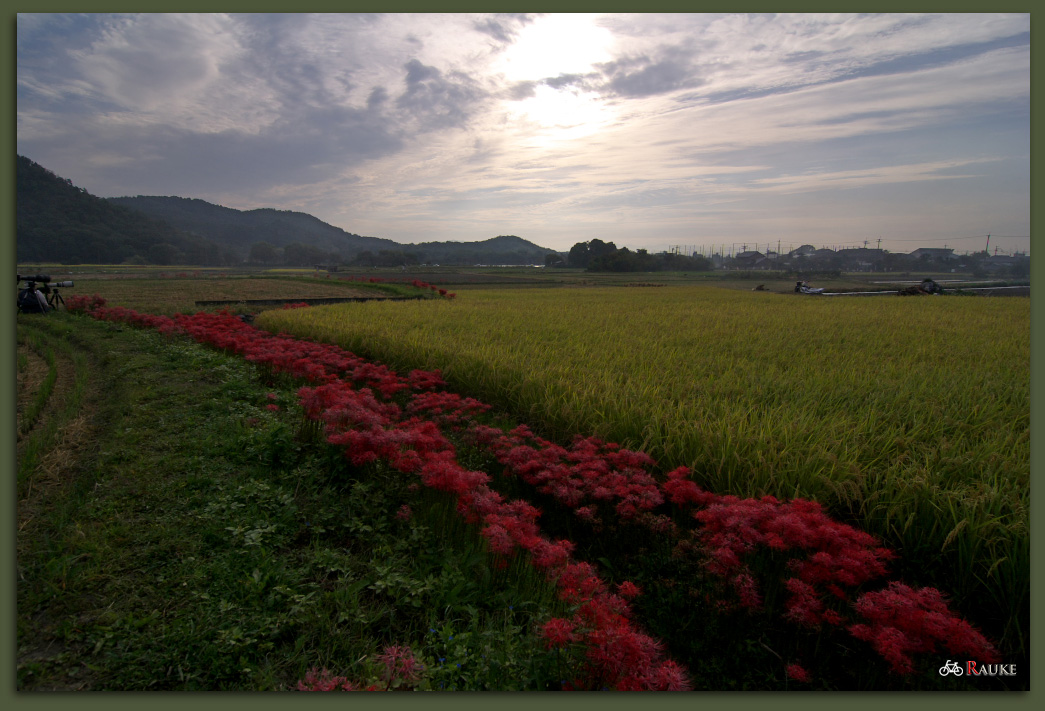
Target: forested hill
point(505, 249)
point(244, 229)
point(59, 222)
point(241, 229)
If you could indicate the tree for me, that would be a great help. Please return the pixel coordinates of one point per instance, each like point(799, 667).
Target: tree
point(578, 257)
point(264, 253)
point(163, 254)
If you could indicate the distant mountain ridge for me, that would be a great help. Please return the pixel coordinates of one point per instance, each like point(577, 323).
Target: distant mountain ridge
point(61, 223)
point(56, 221)
point(240, 229)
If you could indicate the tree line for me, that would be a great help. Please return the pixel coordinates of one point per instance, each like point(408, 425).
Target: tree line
point(599, 256)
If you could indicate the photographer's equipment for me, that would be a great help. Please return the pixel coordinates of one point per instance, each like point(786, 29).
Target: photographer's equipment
point(29, 302)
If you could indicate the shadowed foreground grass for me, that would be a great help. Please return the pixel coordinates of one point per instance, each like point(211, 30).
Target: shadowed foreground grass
point(195, 541)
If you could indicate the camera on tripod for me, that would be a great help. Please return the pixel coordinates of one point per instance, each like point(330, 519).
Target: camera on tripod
point(40, 294)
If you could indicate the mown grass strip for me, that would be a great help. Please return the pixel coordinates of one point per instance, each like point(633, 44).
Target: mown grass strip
point(47, 336)
point(35, 408)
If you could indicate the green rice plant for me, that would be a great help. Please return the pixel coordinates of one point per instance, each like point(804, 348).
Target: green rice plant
point(908, 417)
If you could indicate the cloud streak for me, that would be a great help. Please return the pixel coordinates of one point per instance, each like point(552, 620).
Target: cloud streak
point(646, 130)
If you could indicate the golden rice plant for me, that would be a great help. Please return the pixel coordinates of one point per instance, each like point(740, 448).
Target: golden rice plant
point(908, 416)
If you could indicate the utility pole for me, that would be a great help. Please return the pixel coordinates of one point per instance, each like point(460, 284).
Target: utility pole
point(879, 243)
point(988, 246)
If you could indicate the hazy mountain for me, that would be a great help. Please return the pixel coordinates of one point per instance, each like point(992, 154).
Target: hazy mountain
point(241, 229)
point(505, 249)
point(59, 222)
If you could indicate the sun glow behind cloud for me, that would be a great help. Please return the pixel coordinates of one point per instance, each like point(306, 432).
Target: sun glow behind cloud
point(552, 47)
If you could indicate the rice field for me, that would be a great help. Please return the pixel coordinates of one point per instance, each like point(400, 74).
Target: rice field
point(908, 417)
point(170, 294)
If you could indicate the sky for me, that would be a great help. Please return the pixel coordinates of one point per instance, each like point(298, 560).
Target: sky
point(697, 132)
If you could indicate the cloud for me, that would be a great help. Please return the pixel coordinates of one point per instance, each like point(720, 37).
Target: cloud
point(503, 28)
point(637, 127)
point(837, 180)
point(671, 69)
point(434, 101)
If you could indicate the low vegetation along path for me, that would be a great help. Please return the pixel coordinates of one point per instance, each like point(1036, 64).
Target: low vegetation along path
point(175, 532)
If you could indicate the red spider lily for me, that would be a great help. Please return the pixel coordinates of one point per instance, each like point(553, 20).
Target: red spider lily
point(668, 676)
point(830, 556)
point(629, 590)
point(399, 663)
point(798, 673)
point(558, 632)
point(446, 407)
point(323, 680)
point(903, 621)
point(825, 559)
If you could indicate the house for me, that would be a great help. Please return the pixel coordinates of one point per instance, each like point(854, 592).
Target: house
point(934, 253)
point(751, 260)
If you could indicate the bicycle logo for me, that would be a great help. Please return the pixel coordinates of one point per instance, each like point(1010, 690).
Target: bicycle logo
point(950, 668)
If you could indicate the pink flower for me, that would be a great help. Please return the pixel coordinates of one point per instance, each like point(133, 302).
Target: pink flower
point(670, 676)
point(400, 664)
point(323, 681)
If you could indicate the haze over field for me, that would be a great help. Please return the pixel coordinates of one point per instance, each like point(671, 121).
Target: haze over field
point(645, 130)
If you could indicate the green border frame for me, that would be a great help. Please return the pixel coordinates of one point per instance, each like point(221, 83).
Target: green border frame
point(796, 700)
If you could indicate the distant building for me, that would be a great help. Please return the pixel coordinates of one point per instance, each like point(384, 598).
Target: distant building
point(806, 250)
point(751, 260)
point(934, 253)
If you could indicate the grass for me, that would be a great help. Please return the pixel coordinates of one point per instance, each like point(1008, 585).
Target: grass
point(43, 419)
point(240, 553)
point(202, 541)
point(909, 417)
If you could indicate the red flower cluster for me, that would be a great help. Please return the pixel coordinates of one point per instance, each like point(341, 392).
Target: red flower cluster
point(825, 560)
point(323, 680)
point(585, 477)
point(836, 556)
point(798, 673)
point(425, 285)
point(616, 653)
point(82, 302)
point(446, 407)
point(400, 667)
point(399, 663)
point(903, 621)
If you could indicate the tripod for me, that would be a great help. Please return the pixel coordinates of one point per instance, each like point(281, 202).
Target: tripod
point(55, 297)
